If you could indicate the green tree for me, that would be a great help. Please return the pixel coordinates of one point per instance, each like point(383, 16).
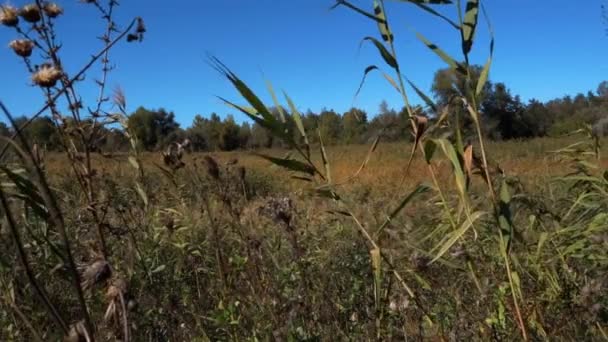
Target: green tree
point(354, 126)
point(154, 128)
point(196, 133)
point(506, 114)
point(41, 131)
point(330, 126)
point(260, 137)
point(229, 135)
point(244, 134)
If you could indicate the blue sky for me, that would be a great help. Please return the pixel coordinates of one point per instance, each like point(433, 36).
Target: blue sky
point(544, 49)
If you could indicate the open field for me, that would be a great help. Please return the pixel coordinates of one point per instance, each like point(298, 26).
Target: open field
point(206, 253)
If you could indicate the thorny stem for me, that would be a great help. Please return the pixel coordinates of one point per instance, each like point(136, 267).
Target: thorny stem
point(71, 81)
point(55, 217)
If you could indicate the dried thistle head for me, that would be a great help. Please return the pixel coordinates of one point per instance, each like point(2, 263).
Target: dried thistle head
point(172, 157)
point(22, 47)
point(95, 273)
point(52, 10)
point(279, 210)
point(9, 16)
point(30, 13)
point(213, 168)
point(47, 76)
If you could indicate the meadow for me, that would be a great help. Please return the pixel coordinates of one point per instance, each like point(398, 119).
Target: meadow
point(429, 239)
point(239, 249)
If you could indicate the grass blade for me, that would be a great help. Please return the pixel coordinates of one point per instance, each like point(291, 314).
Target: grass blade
point(385, 31)
point(469, 25)
point(386, 55)
point(442, 54)
point(423, 96)
point(457, 235)
point(290, 164)
point(356, 9)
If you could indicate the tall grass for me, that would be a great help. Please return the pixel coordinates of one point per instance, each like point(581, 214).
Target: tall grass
point(219, 247)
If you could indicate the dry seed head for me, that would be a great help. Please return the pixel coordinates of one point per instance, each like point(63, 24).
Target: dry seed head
point(22, 47)
point(212, 167)
point(95, 273)
point(47, 76)
point(9, 16)
point(30, 13)
point(53, 10)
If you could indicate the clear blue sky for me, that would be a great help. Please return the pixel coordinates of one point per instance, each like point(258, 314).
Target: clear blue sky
point(544, 49)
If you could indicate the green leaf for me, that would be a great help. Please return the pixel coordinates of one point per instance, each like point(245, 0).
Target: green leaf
point(485, 73)
point(429, 149)
point(367, 71)
point(290, 164)
point(356, 9)
point(450, 153)
point(386, 55)
point(457, 235)
point(276, 101)
point(242, 88)
point(442, 54)
point(142, 193)
point(28, 192)
point(423, 96)
point(420, 189)
point(270, 123)
point(324, 158)
point(469, 25)
point(392, 82)
point(505, 220)
point(541, 242)
point(385, 31)
point(297, 117)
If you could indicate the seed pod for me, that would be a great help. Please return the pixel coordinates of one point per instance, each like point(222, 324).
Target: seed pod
point(30, 13)
point(9, 16)
point(95, 273)
point(52, 10)
point(22, 47)
point(47, 76)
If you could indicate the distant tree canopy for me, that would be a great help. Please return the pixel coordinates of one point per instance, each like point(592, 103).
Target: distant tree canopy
point(153, 128)
point(503, 115)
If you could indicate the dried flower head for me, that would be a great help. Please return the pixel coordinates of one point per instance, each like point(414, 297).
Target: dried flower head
point(95, 273)
point(212, 167)
point(279, 210)
point(30, 13)
point(22, 47)
point(9, 15)
point(52, 10)
point(172, 157)
point(47, 76)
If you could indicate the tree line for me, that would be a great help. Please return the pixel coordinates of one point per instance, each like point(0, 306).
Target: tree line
point(504, 116)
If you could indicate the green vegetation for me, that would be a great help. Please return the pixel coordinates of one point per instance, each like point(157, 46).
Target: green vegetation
point(446, 236)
